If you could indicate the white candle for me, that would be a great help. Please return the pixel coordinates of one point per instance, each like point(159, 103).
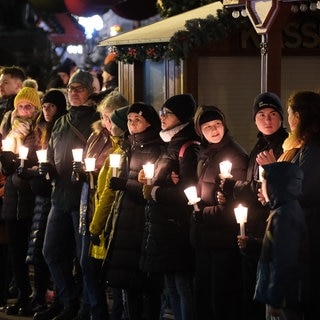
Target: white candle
point(148, 169)
point(23, 153)
point(90, 164)
point(114, 160)
point(6, 144)
point(241, 213)
point(225, 169)
point(42, 155)
point(77, 154)
point(260, 170)
point(192, 197)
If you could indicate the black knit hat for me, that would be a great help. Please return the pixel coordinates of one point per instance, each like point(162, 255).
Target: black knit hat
point(119, 118)
point(147, 111)
point(112, 68)
point(56, 97)
point(267, 100)
point(182, 105)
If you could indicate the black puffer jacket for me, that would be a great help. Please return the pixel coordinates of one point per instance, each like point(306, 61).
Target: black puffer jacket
point(18, 200)
point(166, 246)
point(218, 228)
point(127, 219)
point(66, 194)
point(246, 191)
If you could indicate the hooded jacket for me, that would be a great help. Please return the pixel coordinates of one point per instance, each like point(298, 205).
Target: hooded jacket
point(280, 274)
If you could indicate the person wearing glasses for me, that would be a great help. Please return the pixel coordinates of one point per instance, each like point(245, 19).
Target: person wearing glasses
point(18, 199)
point(166, 248)
point(62, 243)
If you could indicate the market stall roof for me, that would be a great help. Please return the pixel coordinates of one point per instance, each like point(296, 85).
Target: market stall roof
point(163, 30)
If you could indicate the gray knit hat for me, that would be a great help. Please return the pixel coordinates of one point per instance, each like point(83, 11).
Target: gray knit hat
point(83, 77)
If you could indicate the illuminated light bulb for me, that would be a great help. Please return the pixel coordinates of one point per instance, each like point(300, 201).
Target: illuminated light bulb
point(244, 13)
point(303, 7)
point(313, 6)
point(318, 5)
point(294, 8)
point(235, 14)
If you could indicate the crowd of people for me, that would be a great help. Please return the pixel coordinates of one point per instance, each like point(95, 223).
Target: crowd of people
point(85, 231)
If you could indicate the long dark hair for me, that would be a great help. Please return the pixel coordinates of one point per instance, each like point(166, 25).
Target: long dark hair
point(307, 105)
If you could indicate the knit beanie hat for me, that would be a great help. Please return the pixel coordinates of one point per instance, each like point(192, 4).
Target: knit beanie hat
point(112, 68)
point(182, 105)
point(267, 100)
point(119, 118)
point(28, 94)
point(57, 98)
point(83, 77)
point(206, 113)
point(147, 111)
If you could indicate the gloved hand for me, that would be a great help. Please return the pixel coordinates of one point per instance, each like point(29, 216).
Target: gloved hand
point(46, 167)
point(146, 190)
point(77, 167)
point(117, 183)
point(95, 239)
point(197, 216)
point(27, 173)
point(8, 161)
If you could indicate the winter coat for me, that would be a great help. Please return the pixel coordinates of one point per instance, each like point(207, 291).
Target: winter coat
point(65, 193)
point(99, 146)
point(281, 269)
point(104, 196)
point(18, 200)
point(218, 228)
point(246, 192)
point(126, 224)
point(166, 246)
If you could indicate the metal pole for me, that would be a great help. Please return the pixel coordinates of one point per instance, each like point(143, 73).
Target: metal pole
point(264, 62)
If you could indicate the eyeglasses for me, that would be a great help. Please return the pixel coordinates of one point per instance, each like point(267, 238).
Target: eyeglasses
point(78, 89)
point(165, 113)
point(26, 107)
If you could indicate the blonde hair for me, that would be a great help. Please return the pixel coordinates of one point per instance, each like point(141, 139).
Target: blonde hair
point(111, 102)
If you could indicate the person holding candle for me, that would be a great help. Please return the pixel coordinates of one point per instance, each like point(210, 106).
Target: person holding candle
point(214, 228)
point(268, 117)
point(281, 273)
point(103, 200)
point(126, 224)
point(302, 147)
point(18, 199)
point(166, 247)
point(53, 105)
point(99, 146)
point(62, 242)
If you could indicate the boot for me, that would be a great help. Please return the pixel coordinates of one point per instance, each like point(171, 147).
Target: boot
point(50, 313)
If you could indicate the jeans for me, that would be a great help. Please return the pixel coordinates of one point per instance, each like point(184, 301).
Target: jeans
point(62, 244)
point(93, 289)
point(179, 287)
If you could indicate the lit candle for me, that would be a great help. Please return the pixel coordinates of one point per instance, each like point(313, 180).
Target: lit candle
point(260, 173)
point(77, 154)
point(241, 213)
point(225, 169)
point(23, 153)
point(90, 164)
point(192, 196)
point(114, 159)
point(6, 144)
point(148, 170)
point(42, 155)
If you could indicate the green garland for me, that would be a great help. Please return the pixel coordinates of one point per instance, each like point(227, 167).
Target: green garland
point(198, 32)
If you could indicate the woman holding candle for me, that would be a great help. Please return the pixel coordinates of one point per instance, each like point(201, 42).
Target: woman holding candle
point(99, 146)
point(126, 224)
point(214, 227)
point(53, 105)
point(18, 199)
point(166, 247)
point(303, 148)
